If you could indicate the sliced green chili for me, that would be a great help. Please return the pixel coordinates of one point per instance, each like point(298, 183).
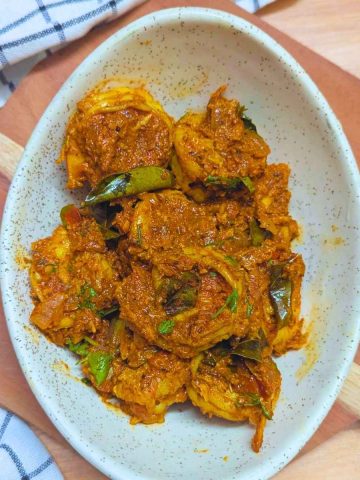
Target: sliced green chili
point(99, 365)
point(81, 348)
point(137, 180)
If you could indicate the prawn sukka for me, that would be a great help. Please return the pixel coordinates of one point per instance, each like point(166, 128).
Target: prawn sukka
point(174, 279)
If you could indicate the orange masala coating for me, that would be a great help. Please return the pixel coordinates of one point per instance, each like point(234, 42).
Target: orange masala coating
point(180, 293)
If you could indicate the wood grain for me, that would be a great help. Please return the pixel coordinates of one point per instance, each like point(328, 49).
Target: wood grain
point(330, 27)
point(350, 393)
point(17, 120)
point(338, 458)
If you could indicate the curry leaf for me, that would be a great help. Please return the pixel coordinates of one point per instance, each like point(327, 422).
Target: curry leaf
point(248, 123)
point(106, 312)
point(230, 183)
point(280, 294)
point(251, 349)
point(179, 294)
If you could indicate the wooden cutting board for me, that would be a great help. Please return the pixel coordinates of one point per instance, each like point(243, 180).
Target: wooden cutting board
point(17, 120)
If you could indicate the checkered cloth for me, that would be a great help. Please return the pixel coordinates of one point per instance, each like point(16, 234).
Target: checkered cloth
point(30, 30)
point(253, 5)
point(22, 455)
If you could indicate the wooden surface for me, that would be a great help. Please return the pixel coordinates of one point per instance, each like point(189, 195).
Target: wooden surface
point(329, 27)
point(17, 119)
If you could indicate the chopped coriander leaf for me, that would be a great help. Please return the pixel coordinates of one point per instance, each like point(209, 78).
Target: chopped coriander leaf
point(213, 274)
point(86, 380)
point(230, 303)
point(166, 327)
point(219, 312)
point(92, 292)
point(87, 303)
point(255, 401)
point(232, 300)
point(87, 292)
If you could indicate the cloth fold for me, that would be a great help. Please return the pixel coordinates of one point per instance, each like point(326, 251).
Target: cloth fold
point(31, 29)
point(253, 5)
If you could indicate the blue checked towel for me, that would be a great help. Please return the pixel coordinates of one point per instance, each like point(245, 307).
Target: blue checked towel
point(22, 455)
point(31, 29)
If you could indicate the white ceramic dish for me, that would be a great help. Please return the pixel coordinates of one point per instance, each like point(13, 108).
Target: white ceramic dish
point(182, 55)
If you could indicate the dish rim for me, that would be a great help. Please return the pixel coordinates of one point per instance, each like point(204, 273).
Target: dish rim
point(201, 15)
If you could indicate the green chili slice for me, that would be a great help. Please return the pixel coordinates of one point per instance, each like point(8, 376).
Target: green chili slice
point(137, 180)
point(99, 365)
